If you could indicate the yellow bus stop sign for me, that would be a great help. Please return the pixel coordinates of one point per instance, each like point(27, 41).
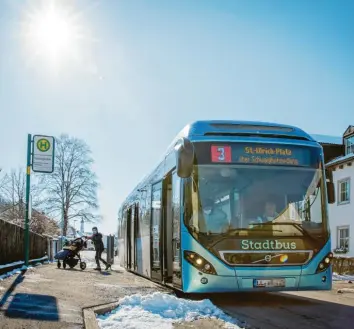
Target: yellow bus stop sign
point(43, 145)
point(43, 153)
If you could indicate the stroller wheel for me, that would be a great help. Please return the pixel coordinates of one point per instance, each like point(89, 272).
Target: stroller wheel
point(82, 265)
point(58, 264)
point(64, 265)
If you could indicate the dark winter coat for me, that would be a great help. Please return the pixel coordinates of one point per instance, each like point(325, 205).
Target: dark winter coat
point(98, 242)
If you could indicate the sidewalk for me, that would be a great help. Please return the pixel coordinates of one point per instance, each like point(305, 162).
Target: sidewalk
point(50, 298)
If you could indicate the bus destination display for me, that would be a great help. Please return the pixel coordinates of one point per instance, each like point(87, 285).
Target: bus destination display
point(261, 154)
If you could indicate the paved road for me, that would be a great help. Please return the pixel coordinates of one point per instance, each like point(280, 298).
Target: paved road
point(320, 309)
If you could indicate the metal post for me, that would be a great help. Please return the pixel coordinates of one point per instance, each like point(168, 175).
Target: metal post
point(110, 249)
point(28, 192)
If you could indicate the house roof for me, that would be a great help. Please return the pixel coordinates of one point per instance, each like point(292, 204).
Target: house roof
point(341, 159)
point(349, 131)
point(326, 139)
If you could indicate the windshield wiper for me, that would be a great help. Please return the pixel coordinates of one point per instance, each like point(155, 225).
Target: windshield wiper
point(238, 230)
point(232, 230)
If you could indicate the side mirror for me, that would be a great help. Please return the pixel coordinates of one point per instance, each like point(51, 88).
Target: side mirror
point(330, 193)
point(184, 157)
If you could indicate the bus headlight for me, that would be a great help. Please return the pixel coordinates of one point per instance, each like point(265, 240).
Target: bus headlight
point(200, 263)
point(324, 263)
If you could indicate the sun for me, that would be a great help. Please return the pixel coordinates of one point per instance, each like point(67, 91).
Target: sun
point(52, 32)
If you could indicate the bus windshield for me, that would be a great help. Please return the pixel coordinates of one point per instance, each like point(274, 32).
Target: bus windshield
point(283, 201)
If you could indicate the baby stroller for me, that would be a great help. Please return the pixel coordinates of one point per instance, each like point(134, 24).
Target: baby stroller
point(70, 255)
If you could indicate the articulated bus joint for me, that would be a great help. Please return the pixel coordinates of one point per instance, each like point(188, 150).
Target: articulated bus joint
point(200, 263)
point(325, 263)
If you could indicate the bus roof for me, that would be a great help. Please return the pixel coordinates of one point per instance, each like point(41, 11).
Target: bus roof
point(219, 127)
point(200, 128)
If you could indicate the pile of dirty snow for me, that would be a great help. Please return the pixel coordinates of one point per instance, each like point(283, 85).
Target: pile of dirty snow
point(160, 310)
point(342, 277)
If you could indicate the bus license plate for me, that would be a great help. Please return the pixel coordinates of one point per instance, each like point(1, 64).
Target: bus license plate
point(269, 283)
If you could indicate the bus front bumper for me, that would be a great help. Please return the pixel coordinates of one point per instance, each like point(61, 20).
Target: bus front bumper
point(196, 282)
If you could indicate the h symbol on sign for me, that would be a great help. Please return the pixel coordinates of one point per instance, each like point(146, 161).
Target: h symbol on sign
point(43, 144)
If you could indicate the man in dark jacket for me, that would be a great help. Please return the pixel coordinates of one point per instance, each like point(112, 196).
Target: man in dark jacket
point(99, 247)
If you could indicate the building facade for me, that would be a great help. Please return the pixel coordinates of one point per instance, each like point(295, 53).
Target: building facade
point(341, 213)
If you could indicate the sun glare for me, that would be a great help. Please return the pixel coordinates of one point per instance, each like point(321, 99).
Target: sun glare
point(52, 33)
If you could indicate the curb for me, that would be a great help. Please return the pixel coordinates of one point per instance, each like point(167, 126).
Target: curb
point(89, 314)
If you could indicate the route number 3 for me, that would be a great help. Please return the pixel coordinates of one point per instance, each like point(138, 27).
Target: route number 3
point(220, 153)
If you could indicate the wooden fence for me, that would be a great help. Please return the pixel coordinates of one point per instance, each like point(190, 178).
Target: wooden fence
point(12, 243)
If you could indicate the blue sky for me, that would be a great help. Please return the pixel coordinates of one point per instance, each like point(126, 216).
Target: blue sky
point(147, 68)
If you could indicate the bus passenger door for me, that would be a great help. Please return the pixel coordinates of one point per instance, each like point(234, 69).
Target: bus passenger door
point(156, 232)
point(176, 231)
point(137, 241)
point(167, 216)
point(132, 238)
point(128, 240)
point(124, 251)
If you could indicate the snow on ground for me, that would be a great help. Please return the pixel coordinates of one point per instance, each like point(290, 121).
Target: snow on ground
point(342, 277)
point(160, 310)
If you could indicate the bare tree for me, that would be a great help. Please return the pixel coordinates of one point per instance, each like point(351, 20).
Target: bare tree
point(14, 204)
point(72, 187)
point(14, 195)
point(3, 180)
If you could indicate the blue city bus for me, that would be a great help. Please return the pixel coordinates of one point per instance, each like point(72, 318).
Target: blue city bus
point(232, 206)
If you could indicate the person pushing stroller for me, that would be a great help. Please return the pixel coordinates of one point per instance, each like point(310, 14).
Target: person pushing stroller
point(96, 238)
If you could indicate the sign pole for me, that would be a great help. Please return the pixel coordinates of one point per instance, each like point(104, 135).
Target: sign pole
point(28, 191)
point(40, 158)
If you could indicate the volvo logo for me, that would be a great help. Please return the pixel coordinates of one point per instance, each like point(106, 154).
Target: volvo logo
point(268, 258)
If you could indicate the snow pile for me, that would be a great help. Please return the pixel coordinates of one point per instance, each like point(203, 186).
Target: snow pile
point(342, 277)
point(160, 310)
point(14, 272)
